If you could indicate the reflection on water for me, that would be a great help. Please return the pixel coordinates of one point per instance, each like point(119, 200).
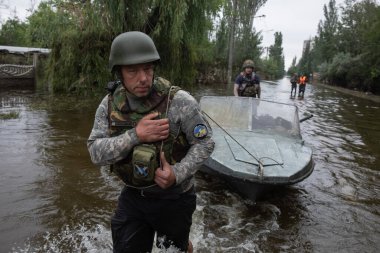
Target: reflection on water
point(54, 200)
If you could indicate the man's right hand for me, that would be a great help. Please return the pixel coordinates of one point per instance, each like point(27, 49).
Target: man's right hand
point(149, 129)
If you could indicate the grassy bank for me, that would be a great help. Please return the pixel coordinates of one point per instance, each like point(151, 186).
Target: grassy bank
point(351, 92)
point(9, 115)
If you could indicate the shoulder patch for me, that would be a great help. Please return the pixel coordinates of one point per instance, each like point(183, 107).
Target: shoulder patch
point(200, 131)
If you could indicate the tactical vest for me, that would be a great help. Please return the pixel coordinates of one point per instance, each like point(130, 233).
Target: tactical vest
point(249, 86)
point(122, 118)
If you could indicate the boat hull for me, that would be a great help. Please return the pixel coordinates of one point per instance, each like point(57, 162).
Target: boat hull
point(258, 145)
point(253, 189)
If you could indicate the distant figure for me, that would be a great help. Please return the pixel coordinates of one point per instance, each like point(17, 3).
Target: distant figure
point(247, 83)
point(293, 81)
point(302, 85)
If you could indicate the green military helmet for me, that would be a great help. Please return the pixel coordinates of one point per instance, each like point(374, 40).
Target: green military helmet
point(132, 48)
point(248, 64)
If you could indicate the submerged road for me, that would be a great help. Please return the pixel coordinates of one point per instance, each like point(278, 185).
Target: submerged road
point(54, 200)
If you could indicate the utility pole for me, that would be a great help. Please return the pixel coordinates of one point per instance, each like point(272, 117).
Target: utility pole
point(231, 46)
point(231, 42)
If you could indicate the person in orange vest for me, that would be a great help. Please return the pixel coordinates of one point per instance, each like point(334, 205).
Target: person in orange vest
point(302, 85)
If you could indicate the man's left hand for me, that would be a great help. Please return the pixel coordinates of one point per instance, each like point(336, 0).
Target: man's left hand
point(165, 176)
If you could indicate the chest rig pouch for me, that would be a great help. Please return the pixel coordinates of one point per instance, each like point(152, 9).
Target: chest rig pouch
point(249, 87)
point(144, 161)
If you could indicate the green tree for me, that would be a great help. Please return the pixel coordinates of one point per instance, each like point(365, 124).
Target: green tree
point(326, 40)
point(44, 25)
point(240, 16)
point(342, 53)
point(355, 61)
point(78, 41)
point(221, 43)
point(360, 36)
point(13, 33)
point(305, 64)
point(293, 68)
point(275, 63)
point(80, 33)
point(372, 56)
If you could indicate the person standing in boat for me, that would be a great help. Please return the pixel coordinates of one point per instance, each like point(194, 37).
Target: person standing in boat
point(154, 138)
point(302, 86)
point(247, 83)
point(293, 81)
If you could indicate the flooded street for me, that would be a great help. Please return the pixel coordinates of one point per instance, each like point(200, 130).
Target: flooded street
point(53, 199)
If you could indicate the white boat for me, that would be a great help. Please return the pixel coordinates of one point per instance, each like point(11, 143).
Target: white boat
point(258, 144)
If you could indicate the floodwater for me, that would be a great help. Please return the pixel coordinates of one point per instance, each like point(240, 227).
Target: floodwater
point(54, 200)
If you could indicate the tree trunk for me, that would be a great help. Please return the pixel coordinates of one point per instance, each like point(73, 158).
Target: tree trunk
point(231, 42)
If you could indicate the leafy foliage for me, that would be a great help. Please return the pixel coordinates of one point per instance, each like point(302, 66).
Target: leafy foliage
point(193, 37)
point(9, 115)
point(346, 51)
point(275, 64)
point(243, 42)
point(13, 33)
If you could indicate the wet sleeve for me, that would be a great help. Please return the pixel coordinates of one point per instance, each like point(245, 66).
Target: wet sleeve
point(103, 149)
point(193, 124)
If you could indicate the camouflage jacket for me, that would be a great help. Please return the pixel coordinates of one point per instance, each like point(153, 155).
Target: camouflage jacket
point(184, 115)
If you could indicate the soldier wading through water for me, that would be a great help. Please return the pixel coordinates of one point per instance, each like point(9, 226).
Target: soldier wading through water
point(154, 137)
point(247, 83)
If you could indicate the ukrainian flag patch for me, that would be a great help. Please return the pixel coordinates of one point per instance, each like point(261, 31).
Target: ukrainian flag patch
point(200, 131)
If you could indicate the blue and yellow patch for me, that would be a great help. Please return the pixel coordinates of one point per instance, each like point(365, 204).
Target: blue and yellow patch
point(141, 171)
point(200, 131)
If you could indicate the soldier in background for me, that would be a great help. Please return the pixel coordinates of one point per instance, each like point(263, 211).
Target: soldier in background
point(247, 83)
point(293, 81)
point(154, 137)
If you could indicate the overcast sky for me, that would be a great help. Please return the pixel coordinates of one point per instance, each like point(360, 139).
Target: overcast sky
point(8, 7)
point(297, 20)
